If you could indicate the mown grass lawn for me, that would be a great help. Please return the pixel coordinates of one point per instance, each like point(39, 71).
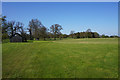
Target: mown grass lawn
point(69, 58)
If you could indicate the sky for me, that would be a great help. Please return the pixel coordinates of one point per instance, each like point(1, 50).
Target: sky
point(101, 17)
point(60, 0)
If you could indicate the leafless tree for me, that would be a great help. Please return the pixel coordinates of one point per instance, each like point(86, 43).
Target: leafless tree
point(55, 29)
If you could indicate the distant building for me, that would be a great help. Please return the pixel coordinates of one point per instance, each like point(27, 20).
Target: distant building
point(17, 38)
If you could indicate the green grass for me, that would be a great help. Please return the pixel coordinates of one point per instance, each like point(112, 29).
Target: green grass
point(69, 58)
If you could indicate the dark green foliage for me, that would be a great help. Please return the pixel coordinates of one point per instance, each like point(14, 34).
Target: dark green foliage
point(114, 36)
point(65, 35)
point(104, 36)
point(4, 26)
point(5, 40)
point(5, 36)
point(86, 35)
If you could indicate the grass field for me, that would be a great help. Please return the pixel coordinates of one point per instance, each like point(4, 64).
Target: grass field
point(69, 58)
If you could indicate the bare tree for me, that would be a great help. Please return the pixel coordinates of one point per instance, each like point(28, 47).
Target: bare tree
point(43, 32)
point(30, 32)
point(72, 33)
point(55, 29)
point(88, 30)
point(34, 28)
point(11, 28)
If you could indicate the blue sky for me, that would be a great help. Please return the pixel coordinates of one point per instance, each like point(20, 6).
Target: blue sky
point(101, 17)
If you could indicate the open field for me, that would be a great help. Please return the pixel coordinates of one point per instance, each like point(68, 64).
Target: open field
point(69, 58)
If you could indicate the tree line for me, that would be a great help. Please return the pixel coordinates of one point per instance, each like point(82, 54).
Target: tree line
point(36, 30)
point(89, 34)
